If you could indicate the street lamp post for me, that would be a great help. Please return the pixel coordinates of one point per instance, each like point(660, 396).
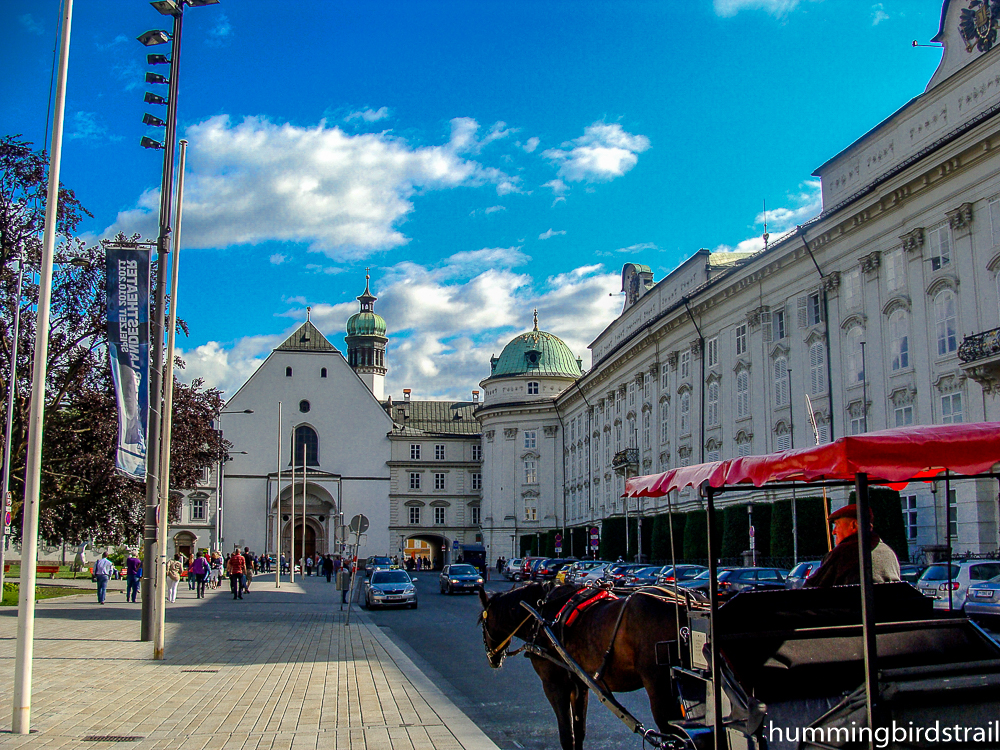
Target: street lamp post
point(174, 8)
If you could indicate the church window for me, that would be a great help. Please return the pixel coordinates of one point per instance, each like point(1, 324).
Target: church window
point(414, 480)
point(322, 373)
point(415, 514)
point(288, 372)
point(439, 516)
point(439, 481)
point(533, 388)
point(304, 406)
point(477, 452)
point(414, 451)
point(306, 440)
point(477, 481)
point(198, 509)
point(439, 452)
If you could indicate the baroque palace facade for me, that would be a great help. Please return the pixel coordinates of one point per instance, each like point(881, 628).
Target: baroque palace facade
point(880, 312)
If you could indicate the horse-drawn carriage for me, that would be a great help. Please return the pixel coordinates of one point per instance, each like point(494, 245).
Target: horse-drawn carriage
point(867, 665)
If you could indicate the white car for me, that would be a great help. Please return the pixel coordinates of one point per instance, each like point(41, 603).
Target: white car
point(512, 570)
point(390, 588)
point(934, 582)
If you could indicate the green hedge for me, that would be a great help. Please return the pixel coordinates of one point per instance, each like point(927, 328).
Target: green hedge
point(762, 528)
point(660, 543)
point(529, 545)
point(887, 510)
point(735, 531)
point(811, 528)
point(696, 534)
point(613, 538)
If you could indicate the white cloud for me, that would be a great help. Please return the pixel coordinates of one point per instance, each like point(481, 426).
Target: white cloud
point(278, 258)
point(779, 8)
point(85, 127)
point(463, 135)
point(444, 322)
point(636, 248)
point(31, 24)
point(530, 145)
point(341, 194)
point(603, 152)
point(878, 14)
point(558, 186)
point(494, 209)
point(218, 35)
point(369, 115)
point(550, 234)
point(781, 221)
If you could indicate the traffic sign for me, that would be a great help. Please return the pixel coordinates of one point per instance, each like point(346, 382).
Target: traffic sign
point(595, 537)
point(558, 538)
point(6, 522)
point(359, 524)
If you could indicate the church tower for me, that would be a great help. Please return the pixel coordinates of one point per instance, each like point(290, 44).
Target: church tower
point(366, 342)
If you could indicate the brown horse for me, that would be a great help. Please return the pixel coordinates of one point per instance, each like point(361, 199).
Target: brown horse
point(626, 629)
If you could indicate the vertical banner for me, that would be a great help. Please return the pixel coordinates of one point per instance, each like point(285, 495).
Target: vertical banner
point(128, 350)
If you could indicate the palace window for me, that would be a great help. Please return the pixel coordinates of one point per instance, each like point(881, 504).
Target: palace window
point(895, 270)
point(817, 368)
point(477, 481)
point(477, 452)
point(850, 284)
point(939, 246)
point(685, 417)
point(951, 408)
point(712, 348)
point(741, 339)
point(945, 318)
point(530, 439)
point(910, 516)
point(855, 365)
point(664, 422)
point(781, 382)
point(814, 309)
point(685, 364)
point(778, 324)
point(415, 514)
point(953, 514)
point(439, 516)
point(742, 394)
point(414, 480)
point(645, 430)
point(532, 388)
point(414, 451)
point(198, 509)
point(439, 481)
point(475, 515)
point(903, 415)
point(530, 472)
point(899, 340)
point(530, 509)
point(712, 408)
point(439, 452)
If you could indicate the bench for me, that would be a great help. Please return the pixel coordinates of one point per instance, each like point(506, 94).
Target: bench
point(51, 570)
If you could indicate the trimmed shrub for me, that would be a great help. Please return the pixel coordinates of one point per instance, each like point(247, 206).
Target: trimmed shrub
point(735, 531)
point(528, 545)
point(613, 538)
point(762, 529)
point(811, 527)
point(696, 535)
point(660, 544)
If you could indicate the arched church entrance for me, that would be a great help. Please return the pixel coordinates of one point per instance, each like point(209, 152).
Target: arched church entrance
point(425, 550)
point(184, 542)
point(310, 540)
point(319, 523)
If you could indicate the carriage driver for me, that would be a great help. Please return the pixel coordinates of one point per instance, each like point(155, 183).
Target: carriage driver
point(841, 565)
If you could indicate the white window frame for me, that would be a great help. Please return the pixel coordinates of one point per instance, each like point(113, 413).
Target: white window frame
point(199, 508)
point(440, 515)
point(952, 411)
point(414, 515)
point(903, 415)
point(850, 283)
point(530, 471)
point(685, 364)
point(899, 340)
point(742, 394)
point(817, 368)
point(814, 309)
point(530, 439)
point(741, 339)
point(664, 422)
point(946, 322)
point(685, 412)
point(532, 387)
point(477, 452)
point(778, 330)
point(414, 480)
point(439, 452)
point(855, 364)
point(440, 483)
point(530, 509)
point(939, 247)
point(894, 263)
point(712, 351)
point(414, 451)
point(781, 389)
point(475, 515)
point(910, 516)
point(477, 480)
point(712, 403)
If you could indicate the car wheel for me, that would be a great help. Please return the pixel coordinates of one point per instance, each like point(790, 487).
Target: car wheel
point(450, 590)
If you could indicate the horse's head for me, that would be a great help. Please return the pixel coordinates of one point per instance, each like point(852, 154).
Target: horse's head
point(503, 617)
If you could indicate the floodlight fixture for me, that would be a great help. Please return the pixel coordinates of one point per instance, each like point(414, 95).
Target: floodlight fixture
point(147, 142)
point(156, 122)
point(154, 59)
point(153, 37)
point(156, 78)
point(201, 3)
point(167, 7)
point(151, 98)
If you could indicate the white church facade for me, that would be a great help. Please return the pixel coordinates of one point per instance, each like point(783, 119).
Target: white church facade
point(882, 311)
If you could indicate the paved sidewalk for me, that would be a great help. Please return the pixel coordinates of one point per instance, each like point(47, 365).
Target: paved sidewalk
point(278, 669)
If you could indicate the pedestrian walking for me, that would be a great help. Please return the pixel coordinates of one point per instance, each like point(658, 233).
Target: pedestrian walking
point(327, 567)
point(248, 575)
point(215, 571)
point(309, 565)
point(102, 574)
point(133, 574)
point(174, 571)
point(343, 582)
point(235, 567)
point(200, 568)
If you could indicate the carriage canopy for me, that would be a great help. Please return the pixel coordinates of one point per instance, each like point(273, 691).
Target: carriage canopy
point(892, 457)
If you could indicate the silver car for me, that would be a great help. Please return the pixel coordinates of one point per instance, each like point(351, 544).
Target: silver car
point(512, 570)
point(983, 600)
point(934, 582)
point(390, 588)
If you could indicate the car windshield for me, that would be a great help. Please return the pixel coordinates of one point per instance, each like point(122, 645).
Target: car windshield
point(462, 570)
point(390, 576)
point(939, 573)
point(381, 561)
point(703, 574)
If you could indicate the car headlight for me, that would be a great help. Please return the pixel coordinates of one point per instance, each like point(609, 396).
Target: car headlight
point(479, 580)
point(453, 580)
point(409, 589)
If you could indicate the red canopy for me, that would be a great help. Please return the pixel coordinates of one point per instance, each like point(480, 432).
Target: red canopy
point(888, 457)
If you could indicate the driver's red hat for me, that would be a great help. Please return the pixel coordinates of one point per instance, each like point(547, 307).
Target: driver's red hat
point(849, 511)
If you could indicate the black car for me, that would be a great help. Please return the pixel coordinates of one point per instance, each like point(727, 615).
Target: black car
point(644, 576)
point(461, 577)
point(732, 582)
point(617, 572)
point(671, 575)
point(546, 569)
point(798, 575)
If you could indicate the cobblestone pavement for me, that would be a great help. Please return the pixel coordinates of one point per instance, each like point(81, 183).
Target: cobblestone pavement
point(278, 669)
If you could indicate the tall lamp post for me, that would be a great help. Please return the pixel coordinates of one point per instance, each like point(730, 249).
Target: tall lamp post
point(221, 478)
point(174, 8)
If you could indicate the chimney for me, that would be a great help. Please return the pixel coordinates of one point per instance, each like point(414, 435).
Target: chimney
point(406, 394)
point(475, 397)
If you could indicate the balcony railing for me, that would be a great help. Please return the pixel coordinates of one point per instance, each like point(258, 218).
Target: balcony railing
point(980, 346)
point(626, 458)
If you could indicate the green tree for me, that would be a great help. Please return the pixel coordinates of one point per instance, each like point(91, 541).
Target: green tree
point(661, 536)
point(735, 531)
point(696, 535)
point(811, 527)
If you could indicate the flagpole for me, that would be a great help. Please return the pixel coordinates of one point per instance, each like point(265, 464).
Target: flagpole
point(277, 512)
point(291, 529)
point(21, 719)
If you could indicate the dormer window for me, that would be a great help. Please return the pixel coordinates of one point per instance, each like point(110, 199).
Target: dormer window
point(532, 356)
point(533, 388)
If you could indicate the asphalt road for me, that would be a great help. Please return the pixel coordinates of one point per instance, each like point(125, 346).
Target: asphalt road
point(444, 640)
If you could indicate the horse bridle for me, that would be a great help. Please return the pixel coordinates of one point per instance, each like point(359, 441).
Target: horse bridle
point(501, 648)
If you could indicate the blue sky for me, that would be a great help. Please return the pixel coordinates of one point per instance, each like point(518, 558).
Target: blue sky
point(484, 159)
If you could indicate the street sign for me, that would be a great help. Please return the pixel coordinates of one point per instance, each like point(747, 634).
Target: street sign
point(595, 537)
point(558, 538)
point(359, 524)
point(6, 522)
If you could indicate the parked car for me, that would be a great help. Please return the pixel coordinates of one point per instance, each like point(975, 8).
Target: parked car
point(671, 575)
point(798, 575)
point(733, 581)
point(390, 588)
point(512, 570)
point(643, 576)
point(527, 563)
point(983, 600)
point(616, 573)
point(374, 563)
point(592, 574)
point(934, 582)
point(547, 569)
point(461, 577)
point(571, 573)
point(911, 573)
